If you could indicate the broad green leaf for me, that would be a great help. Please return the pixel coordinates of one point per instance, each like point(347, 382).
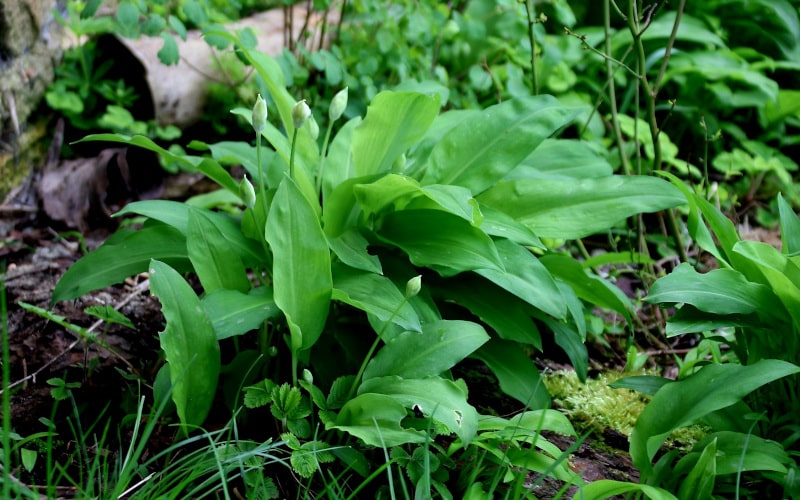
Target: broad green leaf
point(739, 451)
point(577, 208)
point(176, 214)
point(395, 121)
point(683, 403)
point(562, 159)
point(607, 488)
point(524, 276)
point(646, 384)
point(441, 126)
point(790, 227)
point(505, 313)
point(721, 291)
point(437, 239)
point(780, 273)
point(351, 248)
point(125, 254)
point(699, 483)
point(189, 343)
point(573, 344)
point(516, 373)
point(502, 225)
point(235, 313)
point(375, 419)
point(397, 192)
point(240, 153)
point(302, 264)
point(439, 347)
point(341, 208)
point(338, 165)
point(207, 166)
point(443, 400)
point(482, 150)
point(590, 288)
point(215, 265)
point(374, 294)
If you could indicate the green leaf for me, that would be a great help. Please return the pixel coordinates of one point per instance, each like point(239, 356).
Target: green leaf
point(125, 254)
point(216, 266)
point(577, 208)
point(779, 273)
point(501, 225)
point(108, 314)
point(439, 347)
point(351, 248)
point(682, 403)
point(395, 121)
point(790, 227)
point(440, 240)
point(607, 488)
point(375, 419)
point(189, 343)
point(721, 291)
point(168, 54)
point(176, 214)
point(506, 314)
point(516, 372)
point(699, 483)
point(480, 151)
point(302, 264)
point(588, 287)
point(375, 295)
point(442, 400)
point(260, 394)
point(739, 451)
point(562, 159)
point(235, 313)
point(523, 275)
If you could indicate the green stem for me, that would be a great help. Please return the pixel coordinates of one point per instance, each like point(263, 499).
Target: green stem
point(322, 157)
point(612, 94)
point(291, 155)
point(372, 348)
point(6, 382)
point(530, 10)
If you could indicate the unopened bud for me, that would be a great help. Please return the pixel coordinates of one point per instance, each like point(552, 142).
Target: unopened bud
point(307, 376)
point(338, 105)
point(300, 113)
point(259, 115)
point(413, 286)
point(247, 193)
point(313, 128)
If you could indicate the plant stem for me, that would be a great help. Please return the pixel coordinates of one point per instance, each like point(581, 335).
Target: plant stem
point(291, 155)
point(6, 440)
point(612, 94)
point(372, 348)
point(323, 156)
point(530, 10)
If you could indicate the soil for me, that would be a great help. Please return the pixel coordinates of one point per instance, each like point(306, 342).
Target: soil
point(36, 251)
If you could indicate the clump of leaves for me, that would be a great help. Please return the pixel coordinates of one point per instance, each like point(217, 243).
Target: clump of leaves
point(750, 306)
point(376, 262)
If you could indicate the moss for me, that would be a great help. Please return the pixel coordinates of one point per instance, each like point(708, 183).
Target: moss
point(595, 407)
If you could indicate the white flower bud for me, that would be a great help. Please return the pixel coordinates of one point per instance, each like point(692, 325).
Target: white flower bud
point(259, 114)
point(247, 192)
point(300, 113)
point(413, 286)
point(338, 105)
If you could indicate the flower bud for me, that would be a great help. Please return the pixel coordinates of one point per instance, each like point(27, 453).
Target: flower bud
point(313, 128)
point(413, 286)
point(259, 114)
point(338, 105)
point(247, 193)
point(300, 113)
point(307, 376)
